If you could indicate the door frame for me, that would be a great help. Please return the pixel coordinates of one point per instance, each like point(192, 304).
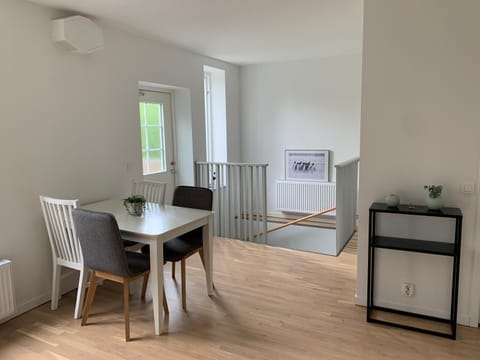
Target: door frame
point(171, 93)
point(185, 144)
point(474, 310)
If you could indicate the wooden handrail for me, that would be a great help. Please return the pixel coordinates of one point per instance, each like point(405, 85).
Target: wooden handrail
point(301, 219)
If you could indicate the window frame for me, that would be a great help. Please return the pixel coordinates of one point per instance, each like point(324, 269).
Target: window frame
point(147, 149)
point(207, 83)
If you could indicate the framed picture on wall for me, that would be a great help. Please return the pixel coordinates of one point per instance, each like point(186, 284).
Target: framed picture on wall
point(306, 165)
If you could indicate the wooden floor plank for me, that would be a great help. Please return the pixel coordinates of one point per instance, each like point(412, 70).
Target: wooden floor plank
point(269, 303)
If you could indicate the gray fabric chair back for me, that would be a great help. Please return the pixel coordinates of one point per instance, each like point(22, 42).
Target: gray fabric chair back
point(101, 243)
point(193, 197)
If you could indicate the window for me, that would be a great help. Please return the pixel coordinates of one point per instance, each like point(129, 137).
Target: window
point(207, 84)
point(152, 129)
point(215, 114)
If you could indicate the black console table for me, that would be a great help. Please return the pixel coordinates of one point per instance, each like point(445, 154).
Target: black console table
point(415, 245)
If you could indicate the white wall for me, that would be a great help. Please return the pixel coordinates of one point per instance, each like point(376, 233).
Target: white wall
point(421, 125)
point(311, 104)
point(69, 126)
point(185, 172)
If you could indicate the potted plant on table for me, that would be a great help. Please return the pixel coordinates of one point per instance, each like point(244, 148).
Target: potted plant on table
point(135, 204)
point(434, 198)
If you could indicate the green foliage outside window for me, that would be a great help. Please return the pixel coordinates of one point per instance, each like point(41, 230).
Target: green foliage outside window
point(153, 139)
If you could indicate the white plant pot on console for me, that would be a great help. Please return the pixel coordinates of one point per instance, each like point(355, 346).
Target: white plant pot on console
point(434, 203)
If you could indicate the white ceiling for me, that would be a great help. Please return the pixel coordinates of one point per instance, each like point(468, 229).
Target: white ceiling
point(237, 31)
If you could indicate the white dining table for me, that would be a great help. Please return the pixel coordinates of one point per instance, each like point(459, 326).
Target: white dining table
point(158, 224)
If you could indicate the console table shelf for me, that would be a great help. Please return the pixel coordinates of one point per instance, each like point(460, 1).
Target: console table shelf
point(450, 249)
point(422, 246)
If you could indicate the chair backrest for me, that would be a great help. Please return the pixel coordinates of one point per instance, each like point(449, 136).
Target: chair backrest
point(101, 242)
point(57, 214)
point(152, 191)
point(193, 197)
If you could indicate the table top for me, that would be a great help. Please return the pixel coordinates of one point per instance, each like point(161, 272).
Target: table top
point(157, 219)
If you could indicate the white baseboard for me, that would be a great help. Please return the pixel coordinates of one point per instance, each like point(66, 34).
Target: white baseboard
point(276, 213)
point(69, 282)
point(360, 300)
point(462, 319)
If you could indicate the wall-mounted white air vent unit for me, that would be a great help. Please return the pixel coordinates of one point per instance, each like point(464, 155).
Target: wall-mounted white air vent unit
point(78, 34)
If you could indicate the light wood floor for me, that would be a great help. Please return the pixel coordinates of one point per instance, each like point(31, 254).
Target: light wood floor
point(270, 303)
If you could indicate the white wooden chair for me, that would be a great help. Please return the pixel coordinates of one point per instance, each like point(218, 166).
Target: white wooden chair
point(66, 249)
point(153, 191)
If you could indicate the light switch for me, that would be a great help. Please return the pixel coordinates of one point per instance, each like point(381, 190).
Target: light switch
point(468, 188)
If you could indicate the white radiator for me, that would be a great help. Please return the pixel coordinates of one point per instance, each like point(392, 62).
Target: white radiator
point(304, 197)
point(7, 298)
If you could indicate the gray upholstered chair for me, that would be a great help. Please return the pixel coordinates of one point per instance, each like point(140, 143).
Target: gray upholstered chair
point(181, 248)
point(103, 252)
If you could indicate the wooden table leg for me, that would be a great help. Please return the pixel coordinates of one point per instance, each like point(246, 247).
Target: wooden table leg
point(156, 274)
point(208, 253)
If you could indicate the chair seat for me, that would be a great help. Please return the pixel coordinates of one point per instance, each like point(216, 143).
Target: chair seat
point(137, 263)
point(178, 248)
point(128, 243)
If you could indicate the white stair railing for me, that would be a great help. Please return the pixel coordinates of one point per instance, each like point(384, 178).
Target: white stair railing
point(239, 198)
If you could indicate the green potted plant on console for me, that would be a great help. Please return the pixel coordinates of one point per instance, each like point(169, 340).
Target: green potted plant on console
point(434, 198)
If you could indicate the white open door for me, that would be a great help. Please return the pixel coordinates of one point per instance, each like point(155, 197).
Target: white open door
point(157, 139)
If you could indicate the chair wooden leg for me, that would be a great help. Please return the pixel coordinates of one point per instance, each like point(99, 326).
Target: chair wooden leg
point(184, 285)
point(173, 270)
point(144, 286)
point(165, 303)
point(125, 310)
point(57, 270)
point(90, 296)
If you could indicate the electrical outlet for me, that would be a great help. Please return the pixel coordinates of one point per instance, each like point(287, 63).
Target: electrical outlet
point(468, 188)
point(408, 289)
